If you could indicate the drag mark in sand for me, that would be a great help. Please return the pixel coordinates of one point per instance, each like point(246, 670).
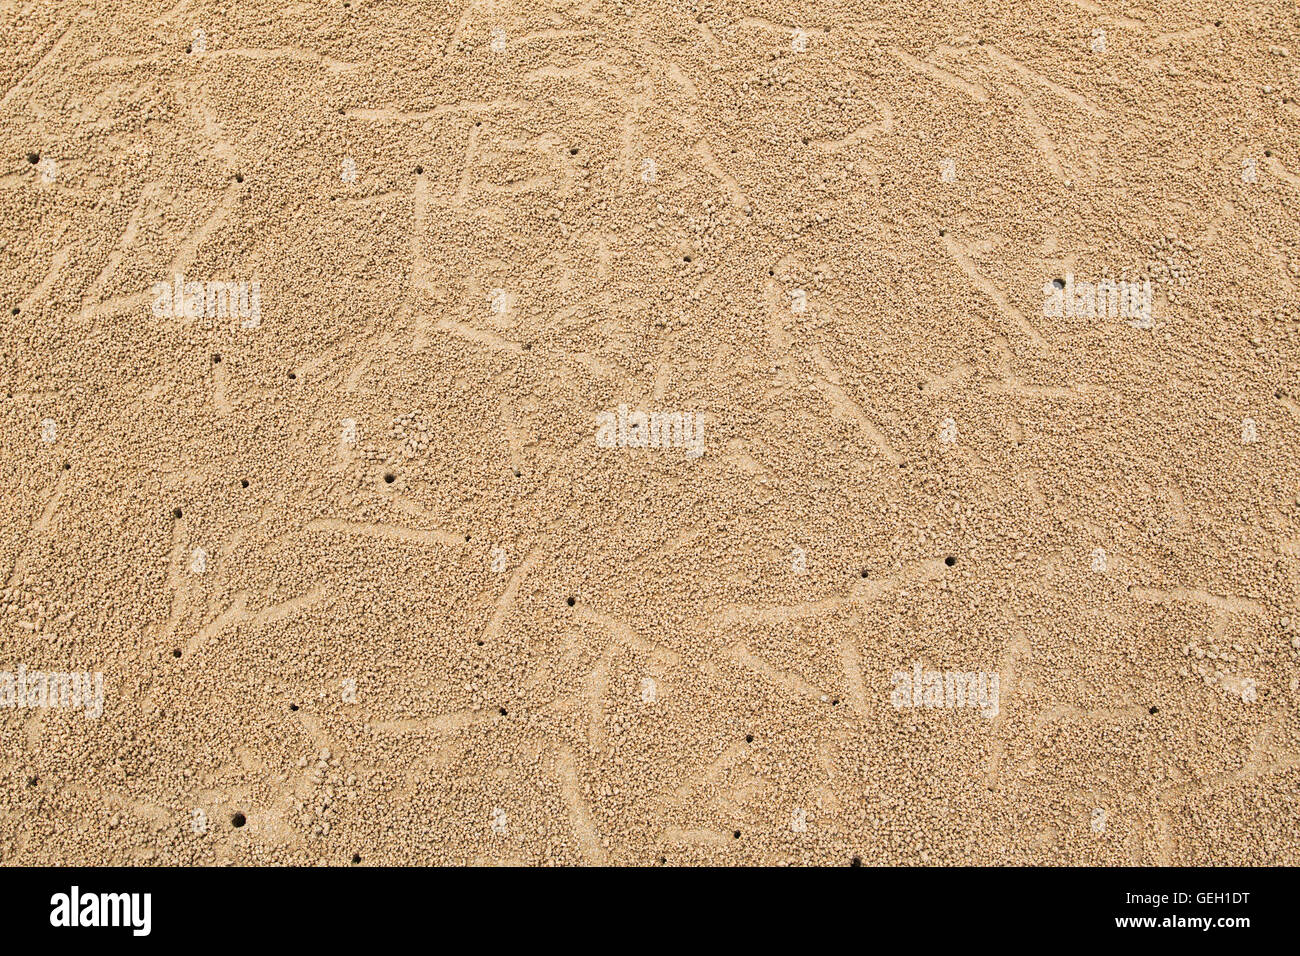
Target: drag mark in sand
point(843, 406)
point(508, 596)
point(963, 259)
point(399, 534)
point(237, 615)
point(941, 76)
point(789, 682)
point(1009, 669)
point(1016, 66)
point(579, 814)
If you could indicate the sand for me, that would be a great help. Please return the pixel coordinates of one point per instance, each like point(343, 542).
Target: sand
point(649, 434)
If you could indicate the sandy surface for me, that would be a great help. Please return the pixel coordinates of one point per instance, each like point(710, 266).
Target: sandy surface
point(375, 570)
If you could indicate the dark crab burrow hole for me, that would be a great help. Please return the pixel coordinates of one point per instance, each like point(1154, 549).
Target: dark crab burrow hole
point(176, 512)
point(33, 158)
point(389, 478)
point(176, 652)
point(238, 820)
point(571, 601)
point(950, 560)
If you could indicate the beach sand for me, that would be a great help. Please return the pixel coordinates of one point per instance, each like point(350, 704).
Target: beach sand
point(333, 333)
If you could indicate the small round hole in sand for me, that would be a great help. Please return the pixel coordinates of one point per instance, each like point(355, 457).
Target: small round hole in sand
point(176, 512)
point(950, 560)
point(176, 652)
point(238, 820)
point(389, 478)
point(571, 601)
